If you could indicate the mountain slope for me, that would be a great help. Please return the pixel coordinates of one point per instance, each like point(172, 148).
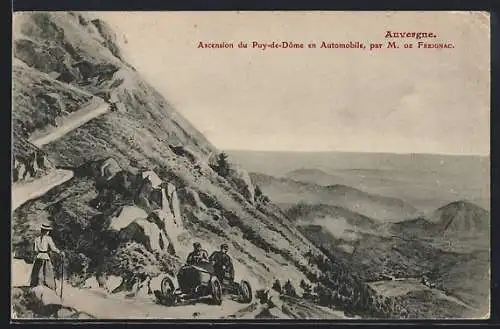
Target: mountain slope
point(461, 217)
point(311, 213)
point(456, 219)
point(70, 47)
point(142, 134)
point(288, 192)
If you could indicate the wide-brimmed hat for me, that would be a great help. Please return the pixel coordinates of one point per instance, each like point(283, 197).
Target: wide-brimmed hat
point(46, 227)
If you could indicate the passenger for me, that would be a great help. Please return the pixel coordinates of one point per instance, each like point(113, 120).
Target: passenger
point(198, 255)
point(223, 265)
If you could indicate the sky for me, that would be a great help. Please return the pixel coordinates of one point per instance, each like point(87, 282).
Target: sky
point(385, 100)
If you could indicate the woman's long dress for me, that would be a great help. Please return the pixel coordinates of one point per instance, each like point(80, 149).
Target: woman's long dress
point(43, 271)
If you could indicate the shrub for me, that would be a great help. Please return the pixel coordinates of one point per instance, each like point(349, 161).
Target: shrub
point(306, 287)
point(277, 286)
point(132, 261)
point(289, 289)
point(222, 166)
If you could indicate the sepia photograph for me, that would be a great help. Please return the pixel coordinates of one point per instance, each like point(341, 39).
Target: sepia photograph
point(236, 165)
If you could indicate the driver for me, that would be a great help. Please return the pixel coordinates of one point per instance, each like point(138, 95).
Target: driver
point(198, 255)
point(223, 265)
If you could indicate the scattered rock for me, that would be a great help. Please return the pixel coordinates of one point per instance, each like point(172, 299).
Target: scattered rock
point(109, 168)
point(147, 234)
point(82, 315)
point(174, 204)
point(66, 313)
point(91, 283)
point(154, 179)
point(126, 215)
point(113, 282)
point(46, 295)
point(108, 35)
point(23, 272)
point(241, 178)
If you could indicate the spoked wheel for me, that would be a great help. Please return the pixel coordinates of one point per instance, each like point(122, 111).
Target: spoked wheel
point(216, 291)
point(167, 290)
point(245, 292)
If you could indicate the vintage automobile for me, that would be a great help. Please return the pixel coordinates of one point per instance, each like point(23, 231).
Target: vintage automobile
point(197, 281)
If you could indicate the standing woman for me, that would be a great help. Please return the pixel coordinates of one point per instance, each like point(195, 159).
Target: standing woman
point(43, 271)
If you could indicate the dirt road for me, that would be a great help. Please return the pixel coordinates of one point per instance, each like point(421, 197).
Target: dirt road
point(24, 191)
point(104, 306)
point(72, 121)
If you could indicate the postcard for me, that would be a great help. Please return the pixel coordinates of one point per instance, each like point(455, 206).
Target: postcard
point(251, 165)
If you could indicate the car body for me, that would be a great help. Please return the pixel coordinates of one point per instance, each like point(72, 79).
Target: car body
point(198, 281)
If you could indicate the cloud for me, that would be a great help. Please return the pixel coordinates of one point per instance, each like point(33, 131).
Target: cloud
point(396, 101)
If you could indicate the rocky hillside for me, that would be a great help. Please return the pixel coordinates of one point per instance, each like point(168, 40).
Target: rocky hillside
point(287, 193)
point(461, 217)
point(145, 185)
point(144, 188)
point(456, 219)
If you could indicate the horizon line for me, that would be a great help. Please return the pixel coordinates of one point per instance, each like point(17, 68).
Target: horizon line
point(367, 152)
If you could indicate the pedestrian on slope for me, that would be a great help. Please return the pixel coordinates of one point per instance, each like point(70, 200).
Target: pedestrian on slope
point(43, 271)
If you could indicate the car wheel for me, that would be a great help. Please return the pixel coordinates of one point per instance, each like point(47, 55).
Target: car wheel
point(245, 292)
point(216, 291)
point(167, 290)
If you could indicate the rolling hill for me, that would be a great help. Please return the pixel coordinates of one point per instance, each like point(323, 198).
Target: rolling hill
point(287, 193)
point(456, 219)
point(426, 181)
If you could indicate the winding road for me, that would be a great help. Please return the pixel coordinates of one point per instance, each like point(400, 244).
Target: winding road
point(96, 108)
point(28, 190)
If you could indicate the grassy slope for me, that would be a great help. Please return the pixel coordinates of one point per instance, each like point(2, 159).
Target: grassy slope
point(33, 110)
point(143, 133)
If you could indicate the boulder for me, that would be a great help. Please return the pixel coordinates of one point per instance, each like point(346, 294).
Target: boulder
point(113, 282)
point(19, 170)
point(66, 313)
point(177, 150)
point(91, 283)
point(42, 161)
point(126, 215)
point(109, 168)
point(82, 316)
point(113, 97)
point(144, 288)
point(175, 205)
point(190, 196)
point(147, 234)
point(165, 222)
point(108, 35)
point(21, 272)
point(153, 178)
point(45, 295)
point(242, 180)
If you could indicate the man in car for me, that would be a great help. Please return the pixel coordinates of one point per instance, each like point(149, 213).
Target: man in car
point(223, 265)
point(198, 255)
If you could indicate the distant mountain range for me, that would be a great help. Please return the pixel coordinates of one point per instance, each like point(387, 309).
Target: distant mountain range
point(287, 193)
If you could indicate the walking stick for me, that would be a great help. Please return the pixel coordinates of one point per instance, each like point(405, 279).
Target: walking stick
point(62, 275)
